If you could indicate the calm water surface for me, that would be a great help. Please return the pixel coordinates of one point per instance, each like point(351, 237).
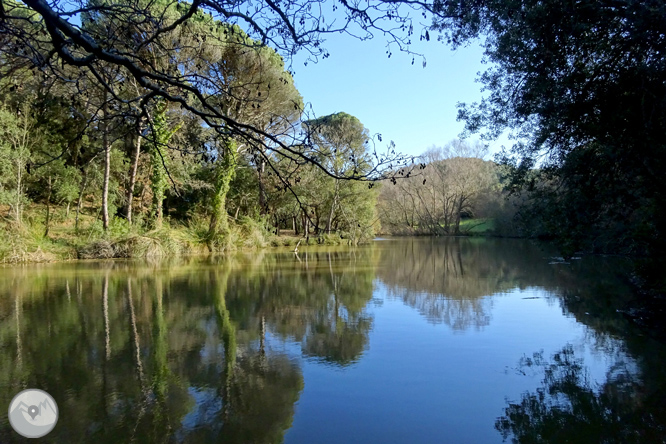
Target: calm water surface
point(403, 341)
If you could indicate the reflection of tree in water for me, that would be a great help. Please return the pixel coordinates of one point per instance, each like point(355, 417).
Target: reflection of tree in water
point(125, 355)
point(255, 398)
point(264, 392)
point(339, 334)
point(447, 280)
point(318, 299)
point(567, 408)
point(450, 279)
point(458, 313)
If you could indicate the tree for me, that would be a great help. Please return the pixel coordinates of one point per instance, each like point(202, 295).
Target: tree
point(17, 140)
point(159, 160)
point(453, 183)
point(173, 68)
point(224, 172)
point(260, 92)
point(339, 143)
point(583, 85)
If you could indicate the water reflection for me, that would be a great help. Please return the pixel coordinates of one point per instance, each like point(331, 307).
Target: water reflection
point(220, 349)
point(449, 280)
point(569, 408)
point(160, 353)
point(319, 301)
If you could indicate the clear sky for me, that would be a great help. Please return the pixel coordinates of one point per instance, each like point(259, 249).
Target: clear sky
point(409, 104)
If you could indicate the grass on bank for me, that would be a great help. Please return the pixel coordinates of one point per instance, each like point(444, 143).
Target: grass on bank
point(27, 242)
point(468, 227)
point(477, 226)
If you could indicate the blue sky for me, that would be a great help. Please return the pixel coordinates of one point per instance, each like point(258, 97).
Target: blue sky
point(409, 104)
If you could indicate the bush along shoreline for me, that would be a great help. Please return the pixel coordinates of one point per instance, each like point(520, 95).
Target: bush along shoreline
point(28, 244)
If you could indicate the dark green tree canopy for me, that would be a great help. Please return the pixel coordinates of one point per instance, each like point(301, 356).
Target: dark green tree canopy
point(583, 84)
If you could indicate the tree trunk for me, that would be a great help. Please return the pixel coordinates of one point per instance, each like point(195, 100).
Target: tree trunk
point(263, 199)
point(107, 167)
point(333, 205)
point(458, 211)
point(19, 344)
point(135, 337)
point(262, 337)
point(48, 208)
point(19, 185)
point(225, 170)
point(80, 201)
point(132, 179)
point(316, 213)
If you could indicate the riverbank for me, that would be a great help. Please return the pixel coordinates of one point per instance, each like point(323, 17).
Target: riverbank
point(32, 243)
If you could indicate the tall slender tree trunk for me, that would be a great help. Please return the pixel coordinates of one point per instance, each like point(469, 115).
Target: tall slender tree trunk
point(132, 176)
point(19, 343)
point(48, 207)
point(135, 335)
point(107, 166)
point(333, 205)
point(79, 204)
point(19, 185)
point(263, 198)
point(262, 337)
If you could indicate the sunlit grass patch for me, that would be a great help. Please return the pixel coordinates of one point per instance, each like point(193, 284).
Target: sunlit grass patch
point(477, 226)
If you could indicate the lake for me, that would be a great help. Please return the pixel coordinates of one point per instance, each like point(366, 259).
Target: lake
point(411, 340)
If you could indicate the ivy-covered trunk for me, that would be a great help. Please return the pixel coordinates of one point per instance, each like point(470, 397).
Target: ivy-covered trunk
point(224, 173)
point(159, 161)
point(158, 184)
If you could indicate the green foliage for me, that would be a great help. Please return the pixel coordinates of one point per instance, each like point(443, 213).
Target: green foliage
point(582, 84)
point(223, 173)
point(67, 188)
point(159, 159)
point(181, 177)
point(18, 139)
point(343, 205)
